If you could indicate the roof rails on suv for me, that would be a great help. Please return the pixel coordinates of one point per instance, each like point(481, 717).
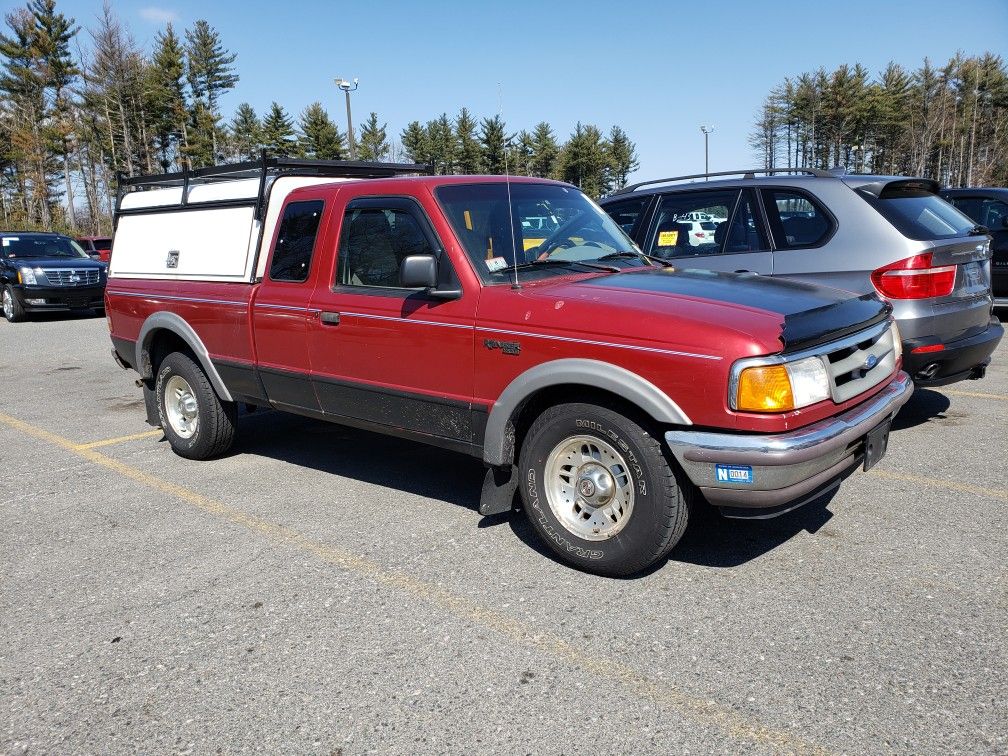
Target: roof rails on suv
point(746, 173)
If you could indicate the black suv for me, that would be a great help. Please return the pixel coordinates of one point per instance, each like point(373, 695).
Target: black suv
point(47, 272)
point(989, 208)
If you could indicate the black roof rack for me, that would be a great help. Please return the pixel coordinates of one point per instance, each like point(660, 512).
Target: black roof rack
point(746, 173)
point(263, 169)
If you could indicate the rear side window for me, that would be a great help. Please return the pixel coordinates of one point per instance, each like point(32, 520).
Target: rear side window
point(628, 214)
point(991, 213)
point(292, 254)
point(674, 233)
point(796, 220)
point(920, 215)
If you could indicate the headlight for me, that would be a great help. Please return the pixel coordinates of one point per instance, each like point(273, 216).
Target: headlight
point(897, 340)
point(30, 276)
point(780, 388)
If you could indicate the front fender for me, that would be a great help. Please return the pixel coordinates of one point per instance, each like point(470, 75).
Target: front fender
point(498, 442)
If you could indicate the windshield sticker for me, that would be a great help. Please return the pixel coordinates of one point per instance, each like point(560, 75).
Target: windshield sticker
point(496, 263)
point(468, 220)
point(8, 239)
point(668, 238)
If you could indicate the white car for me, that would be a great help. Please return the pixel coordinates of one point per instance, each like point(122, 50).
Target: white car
point(701, 232)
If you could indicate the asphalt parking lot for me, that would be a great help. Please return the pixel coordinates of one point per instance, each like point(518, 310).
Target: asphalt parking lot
point(327, 590)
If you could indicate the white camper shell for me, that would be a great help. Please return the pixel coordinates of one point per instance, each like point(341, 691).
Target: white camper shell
point(208, 225)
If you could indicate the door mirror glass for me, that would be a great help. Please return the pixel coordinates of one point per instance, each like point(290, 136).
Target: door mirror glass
point(418, 272)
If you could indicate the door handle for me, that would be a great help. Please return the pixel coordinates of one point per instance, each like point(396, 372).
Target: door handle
point(743, 271)
point(330, 318)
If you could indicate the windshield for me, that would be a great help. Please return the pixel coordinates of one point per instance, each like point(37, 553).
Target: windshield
point(551, 230)
point(921, 215)
point(40, 246)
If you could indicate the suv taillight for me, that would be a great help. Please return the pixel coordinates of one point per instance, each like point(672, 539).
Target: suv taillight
point(914, 278)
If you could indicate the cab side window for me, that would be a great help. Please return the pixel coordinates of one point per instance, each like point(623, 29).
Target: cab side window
point(796, 220)
point(373, 243)
point(292, 253)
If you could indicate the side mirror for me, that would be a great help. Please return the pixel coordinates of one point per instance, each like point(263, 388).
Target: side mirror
point(421, 272)
point(418, 272)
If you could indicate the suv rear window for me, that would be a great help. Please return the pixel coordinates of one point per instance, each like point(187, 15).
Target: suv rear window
point(919, 214)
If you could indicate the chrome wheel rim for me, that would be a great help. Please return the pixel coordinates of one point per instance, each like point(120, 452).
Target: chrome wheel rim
point(8, 305)
point(589, 487)
point(181, 406)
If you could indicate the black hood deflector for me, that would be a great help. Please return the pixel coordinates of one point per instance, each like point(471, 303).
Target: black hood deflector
point(810, 314)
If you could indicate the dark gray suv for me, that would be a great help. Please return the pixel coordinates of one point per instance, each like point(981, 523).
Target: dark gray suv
point(886, 234)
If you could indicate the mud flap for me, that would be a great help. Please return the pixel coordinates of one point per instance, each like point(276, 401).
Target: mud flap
point(499, 487)
point(150, 403)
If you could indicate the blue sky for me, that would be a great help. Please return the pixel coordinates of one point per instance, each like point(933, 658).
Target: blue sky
point(658, 69)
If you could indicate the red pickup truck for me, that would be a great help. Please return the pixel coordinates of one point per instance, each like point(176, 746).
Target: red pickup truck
point(510, 319)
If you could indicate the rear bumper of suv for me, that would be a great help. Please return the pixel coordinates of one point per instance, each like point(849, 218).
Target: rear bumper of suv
point(785, 470)
point(955, 360)
point(55, 299)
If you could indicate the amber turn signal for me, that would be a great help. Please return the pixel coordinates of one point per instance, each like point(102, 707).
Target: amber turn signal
point(765, 388)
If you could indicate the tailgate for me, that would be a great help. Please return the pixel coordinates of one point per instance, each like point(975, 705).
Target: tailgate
point(967, 309)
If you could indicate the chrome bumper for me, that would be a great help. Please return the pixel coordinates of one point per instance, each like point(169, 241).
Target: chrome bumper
point(785, 469)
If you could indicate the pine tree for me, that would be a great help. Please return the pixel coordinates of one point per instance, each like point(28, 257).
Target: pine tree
point(373, 143)
point(492, 141)
point(583, 160)
point(621, 156)
point(442, 143)
point(210, 73)
point(166, 99)
point(415, 142)
point(278, 132)
point(320, 138)
point(522, 152)
point(544, 151)
point(246, 133)
point(470, 156)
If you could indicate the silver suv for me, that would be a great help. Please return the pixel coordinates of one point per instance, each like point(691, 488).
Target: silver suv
point(890, 235)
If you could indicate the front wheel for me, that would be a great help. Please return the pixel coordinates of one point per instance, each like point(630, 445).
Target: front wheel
point(197, 424)
point(12, 308)
point(599, 491)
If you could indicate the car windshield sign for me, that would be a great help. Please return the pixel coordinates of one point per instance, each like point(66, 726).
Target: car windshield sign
point(41, 247)
point(546, 223)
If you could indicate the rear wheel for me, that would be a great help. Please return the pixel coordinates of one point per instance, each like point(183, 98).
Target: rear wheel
point(197, 424)
point(599, 491)
point(12, 309)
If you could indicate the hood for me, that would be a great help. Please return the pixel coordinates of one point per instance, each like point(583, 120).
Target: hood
point(806, 314)
point(72, 263)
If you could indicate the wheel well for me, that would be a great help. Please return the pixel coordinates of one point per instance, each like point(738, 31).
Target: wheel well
point(568, 393)
point(163, 342)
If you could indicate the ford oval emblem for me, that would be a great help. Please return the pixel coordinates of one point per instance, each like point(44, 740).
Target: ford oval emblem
point(871, 362)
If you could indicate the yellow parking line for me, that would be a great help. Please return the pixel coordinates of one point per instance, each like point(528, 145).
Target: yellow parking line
point(993, 493)
point(120, 439)
point(977, 394)
point(702, 710)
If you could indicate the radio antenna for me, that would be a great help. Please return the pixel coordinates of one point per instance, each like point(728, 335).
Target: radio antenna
point(507, 183)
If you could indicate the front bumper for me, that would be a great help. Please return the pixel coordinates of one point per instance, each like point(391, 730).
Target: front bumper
point(54, 299)
point(956, 361)
point(786, 469)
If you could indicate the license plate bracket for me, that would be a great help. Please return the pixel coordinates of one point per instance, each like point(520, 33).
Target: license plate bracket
point(876, 443)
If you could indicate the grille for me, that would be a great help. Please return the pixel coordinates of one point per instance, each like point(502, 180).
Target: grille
point(64, 277)
point(848, 366)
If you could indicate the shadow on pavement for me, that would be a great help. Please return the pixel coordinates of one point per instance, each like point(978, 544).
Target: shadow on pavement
point(924, 406)
point(416, 468)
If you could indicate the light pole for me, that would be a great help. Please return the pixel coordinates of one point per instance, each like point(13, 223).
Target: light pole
point(706, 151)
point(348, 87)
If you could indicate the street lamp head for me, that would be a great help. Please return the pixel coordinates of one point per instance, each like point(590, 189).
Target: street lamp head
point(706, 129)
point(346, 86)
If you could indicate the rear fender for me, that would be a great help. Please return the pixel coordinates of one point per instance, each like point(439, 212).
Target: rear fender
point(169, 321)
